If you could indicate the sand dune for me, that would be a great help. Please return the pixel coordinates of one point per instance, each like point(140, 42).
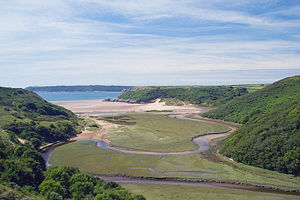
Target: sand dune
point(100, 106)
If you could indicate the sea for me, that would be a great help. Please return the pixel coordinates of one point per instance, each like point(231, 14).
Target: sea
point(76, 96)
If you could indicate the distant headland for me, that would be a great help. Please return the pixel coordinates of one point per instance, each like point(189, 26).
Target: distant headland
point(79, 88)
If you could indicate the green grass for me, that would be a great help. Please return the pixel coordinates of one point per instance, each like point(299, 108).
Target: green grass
point(93, 128)
point(270, 134)
point(173, 102)
point(10, 193)
point(89, 158)
point(157, 132)
point(26, 114)
point(3, 134)
point(199, 95)
point(251, 88)
point(190, 192)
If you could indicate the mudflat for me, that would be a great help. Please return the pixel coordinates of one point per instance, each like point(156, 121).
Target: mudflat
point(100, 106)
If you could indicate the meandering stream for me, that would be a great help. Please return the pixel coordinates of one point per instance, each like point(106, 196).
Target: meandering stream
point(202, 142)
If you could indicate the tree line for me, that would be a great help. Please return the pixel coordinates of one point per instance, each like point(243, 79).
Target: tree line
point(270, 135)
point(209, 95)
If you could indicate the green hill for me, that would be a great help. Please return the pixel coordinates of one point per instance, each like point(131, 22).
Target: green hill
point(23, 176)
point(9, 193)
point(270, 135)
point(25, 115)
point(208, 95)
point(30, 117)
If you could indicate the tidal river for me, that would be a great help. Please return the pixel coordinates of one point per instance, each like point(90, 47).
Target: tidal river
point(203, 145)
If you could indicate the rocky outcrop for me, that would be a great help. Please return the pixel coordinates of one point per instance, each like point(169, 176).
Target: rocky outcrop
point(123, 100)
point(127, 101)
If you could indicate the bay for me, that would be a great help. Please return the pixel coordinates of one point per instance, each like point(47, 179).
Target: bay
point(76, 96)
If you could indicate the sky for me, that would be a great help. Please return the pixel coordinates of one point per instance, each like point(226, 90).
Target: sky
point(148, 42)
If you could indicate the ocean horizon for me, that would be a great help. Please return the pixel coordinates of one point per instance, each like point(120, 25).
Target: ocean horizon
point(77, 96)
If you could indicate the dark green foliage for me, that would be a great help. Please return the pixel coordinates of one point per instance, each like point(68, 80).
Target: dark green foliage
point(79, 88)
point(213, 95)
point(68, 182)
point(270, 136)
point(44, 133)
point(22, 167)
point(26, 115)
point(16, 193)
point(21, 164)
point(35, 142)
point(48, 187)
point(32, 118)
point(30, 105)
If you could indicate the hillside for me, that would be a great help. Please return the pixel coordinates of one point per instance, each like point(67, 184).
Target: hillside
point(9, 193)
point(79, 88)
point(30, 117)
point(208, 95)
point(270, 135)
point(23, 173)
point(23, 176)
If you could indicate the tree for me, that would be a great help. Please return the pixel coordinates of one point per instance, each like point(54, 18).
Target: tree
point(36, 143)
point(49, 186)
point(82, 177)
point(81, 189)
point(103, 196)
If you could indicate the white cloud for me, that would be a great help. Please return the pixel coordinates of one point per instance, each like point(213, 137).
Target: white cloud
point(40, 37)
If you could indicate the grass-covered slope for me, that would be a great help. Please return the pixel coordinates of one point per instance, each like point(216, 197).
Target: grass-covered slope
point(20, 164)
point(270, 136)
point(209, 95)
point(30, 117)
point(9, 193)
point(22, 176)
point(22, 167)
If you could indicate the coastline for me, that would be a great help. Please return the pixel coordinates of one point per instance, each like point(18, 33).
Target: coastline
point(89, 107)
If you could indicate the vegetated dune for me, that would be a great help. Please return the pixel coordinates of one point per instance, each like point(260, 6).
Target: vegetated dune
point(94, 107)
point(270, 136)
point(209, 95)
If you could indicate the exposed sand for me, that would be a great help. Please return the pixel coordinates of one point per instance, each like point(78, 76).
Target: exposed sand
point(211, 137)
point(22, 141)
point(105, 126)
point(96, 135)
point(91, 107)
point(98, 107)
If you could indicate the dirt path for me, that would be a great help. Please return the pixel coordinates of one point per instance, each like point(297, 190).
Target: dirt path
point(22, 141)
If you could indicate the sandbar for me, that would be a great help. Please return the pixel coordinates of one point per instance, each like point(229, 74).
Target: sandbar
point(90, 107)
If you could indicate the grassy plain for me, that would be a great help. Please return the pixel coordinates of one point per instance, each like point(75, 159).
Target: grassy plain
point(190, 192)
point(89, 158)
point(157, 132)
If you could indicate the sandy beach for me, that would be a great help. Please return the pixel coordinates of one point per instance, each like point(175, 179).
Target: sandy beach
point(90, 107)
point(98, 107)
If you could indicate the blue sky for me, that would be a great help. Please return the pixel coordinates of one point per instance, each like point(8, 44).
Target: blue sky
point(142, 42)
